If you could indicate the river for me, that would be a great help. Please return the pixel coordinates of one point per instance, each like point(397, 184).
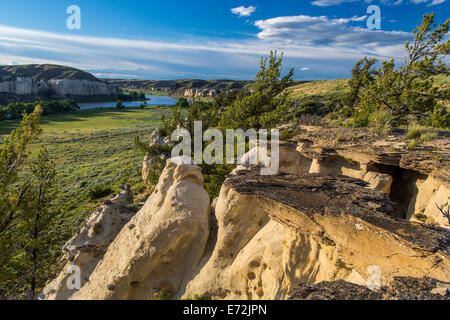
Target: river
point(153, 101)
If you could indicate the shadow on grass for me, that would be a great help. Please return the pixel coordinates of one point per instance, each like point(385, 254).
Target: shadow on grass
point(81, 115)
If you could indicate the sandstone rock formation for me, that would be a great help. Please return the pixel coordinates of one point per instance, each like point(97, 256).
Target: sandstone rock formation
point(150, 161)
point(416, 179)
point(64, 87)
point(325, 225)
point(63, 81)
point(87, 247)
point(400, 288)
point(321, 228)
point(156, 253)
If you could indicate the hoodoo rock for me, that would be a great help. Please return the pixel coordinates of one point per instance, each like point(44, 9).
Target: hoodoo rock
point(156, 253)
point(87, 248)
point(416, 179)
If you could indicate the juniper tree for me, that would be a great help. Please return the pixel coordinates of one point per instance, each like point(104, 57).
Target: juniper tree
point(37, 237)
point(267, 104)
point(13, 155)
point(408, 90)
point(13, 193)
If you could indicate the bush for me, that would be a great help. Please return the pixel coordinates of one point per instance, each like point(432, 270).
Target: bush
point(440, 118)
point(419, 133)
point(119, 104)
point(99, 192)
point(381, 121)
point(182, 103)
point(415, 130)
point(408, 90)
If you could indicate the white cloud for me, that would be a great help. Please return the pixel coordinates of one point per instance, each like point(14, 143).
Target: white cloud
point(436, 2)
point(304, 69)
point(243, 11)
point(196, 58)
point(325, 32)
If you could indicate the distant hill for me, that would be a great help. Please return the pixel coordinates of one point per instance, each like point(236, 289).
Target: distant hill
point(34, 82)
point(46, 72)
point(179, 86)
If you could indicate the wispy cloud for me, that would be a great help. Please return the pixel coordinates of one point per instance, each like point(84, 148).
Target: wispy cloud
point(326, 32)
point(243, 11)
point(436, 2)
point(198, 57)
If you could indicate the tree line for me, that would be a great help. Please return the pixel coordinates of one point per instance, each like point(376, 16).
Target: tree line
point(17, 110)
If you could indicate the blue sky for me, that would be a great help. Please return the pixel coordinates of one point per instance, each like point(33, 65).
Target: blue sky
point(147, 39)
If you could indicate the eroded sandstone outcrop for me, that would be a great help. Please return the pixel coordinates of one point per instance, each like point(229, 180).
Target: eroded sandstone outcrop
point(87, 247)
point(34, 80)
point(318, 228)
point(321, 227)
point(157, 252)
point(416, 179)
point(339, 210)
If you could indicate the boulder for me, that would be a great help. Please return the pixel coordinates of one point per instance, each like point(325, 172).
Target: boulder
point(379, 181)
point(432, 203)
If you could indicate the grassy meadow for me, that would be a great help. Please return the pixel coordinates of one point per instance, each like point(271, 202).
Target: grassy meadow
point(319, 88)
point(92, 148)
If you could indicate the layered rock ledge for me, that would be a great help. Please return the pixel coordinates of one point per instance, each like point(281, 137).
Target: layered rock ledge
point(400, 288)
point(341, 211)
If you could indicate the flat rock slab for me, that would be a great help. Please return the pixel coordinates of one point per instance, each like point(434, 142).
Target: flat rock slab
point(432, 157)
point(401, 288)
point(311, 194)
point(341, 210)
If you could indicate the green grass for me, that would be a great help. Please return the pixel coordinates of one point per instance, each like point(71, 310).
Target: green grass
point(319, 88)
point(91, 120)
point(91, 148)
point(421, 133)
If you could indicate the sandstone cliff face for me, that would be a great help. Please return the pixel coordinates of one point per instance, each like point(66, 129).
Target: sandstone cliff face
point(200, 93)
point(64, 81)
point(416, 179)
point(62, 88)
point(81, 88)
